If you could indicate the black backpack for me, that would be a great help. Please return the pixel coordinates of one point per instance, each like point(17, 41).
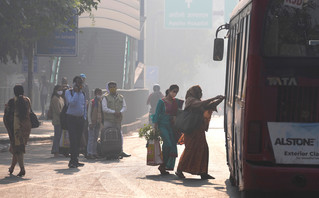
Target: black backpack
point(63, 117)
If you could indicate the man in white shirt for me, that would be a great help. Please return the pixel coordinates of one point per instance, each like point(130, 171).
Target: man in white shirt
point(113, 105)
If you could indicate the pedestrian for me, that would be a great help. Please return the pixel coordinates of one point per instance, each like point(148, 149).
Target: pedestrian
point(163, 119)
point(194, 158)
point(153, 99)
point(64, 83)
point(114, 106)
point(44, 91)
point(56, 105)
point(18, 124)
point(64, 142)
point(95, 119)
point(86, 89)
point(84, 139)
point(76, 116)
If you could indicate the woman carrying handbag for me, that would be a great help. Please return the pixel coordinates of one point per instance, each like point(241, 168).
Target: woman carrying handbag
point(18, 124)
point(194, 159)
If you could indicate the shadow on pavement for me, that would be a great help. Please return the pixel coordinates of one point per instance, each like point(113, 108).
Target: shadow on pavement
point(12, 179)
point(231, 190)
point(172, 178)
point(67, 171)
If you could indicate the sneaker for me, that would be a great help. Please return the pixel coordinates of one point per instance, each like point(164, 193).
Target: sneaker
point(79, 164)
point(71, 165)
point(125, 155)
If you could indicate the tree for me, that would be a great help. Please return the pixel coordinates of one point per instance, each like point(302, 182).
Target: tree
point(23, 22)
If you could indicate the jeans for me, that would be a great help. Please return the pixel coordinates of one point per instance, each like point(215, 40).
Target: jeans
point(56, 139)
point(92, 139)
point(75, 127)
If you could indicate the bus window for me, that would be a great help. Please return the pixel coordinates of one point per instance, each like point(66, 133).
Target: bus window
point(291, 29)
point(244, 77)
point(241, 55)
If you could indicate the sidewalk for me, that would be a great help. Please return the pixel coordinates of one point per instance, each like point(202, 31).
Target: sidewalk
point(46, 130)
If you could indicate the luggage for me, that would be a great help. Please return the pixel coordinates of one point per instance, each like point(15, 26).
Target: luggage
point(110, 143)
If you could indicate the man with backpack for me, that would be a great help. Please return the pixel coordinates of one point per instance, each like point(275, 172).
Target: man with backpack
point(76, 116)
point(113, 105)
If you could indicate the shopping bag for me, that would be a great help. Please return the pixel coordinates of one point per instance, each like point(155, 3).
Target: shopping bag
point(65, 141)
point(154, 153)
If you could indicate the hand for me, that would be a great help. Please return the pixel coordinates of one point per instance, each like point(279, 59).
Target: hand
point(156, 126)
point(91, 126)
point(219, 97)
point(76, 88)
point(118, 114)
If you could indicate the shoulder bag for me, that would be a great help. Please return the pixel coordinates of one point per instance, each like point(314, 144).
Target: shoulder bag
point(187, 121)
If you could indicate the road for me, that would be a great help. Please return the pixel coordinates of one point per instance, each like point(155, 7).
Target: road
point(130, 177)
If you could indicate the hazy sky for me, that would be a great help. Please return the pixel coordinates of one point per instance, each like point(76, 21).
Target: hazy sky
point(184, 57)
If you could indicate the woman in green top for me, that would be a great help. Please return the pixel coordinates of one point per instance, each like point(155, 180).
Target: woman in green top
point(163, 120)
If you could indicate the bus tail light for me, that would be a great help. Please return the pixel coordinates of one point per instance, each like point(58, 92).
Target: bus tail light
point(254, 137)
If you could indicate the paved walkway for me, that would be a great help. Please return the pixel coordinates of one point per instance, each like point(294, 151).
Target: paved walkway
point(44, 132)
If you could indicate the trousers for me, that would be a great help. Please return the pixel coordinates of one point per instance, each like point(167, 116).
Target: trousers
point(75, 127)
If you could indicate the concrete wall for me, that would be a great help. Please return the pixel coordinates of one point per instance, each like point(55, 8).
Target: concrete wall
point(136, 104)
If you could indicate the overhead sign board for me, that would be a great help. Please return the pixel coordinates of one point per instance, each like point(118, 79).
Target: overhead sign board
point(295, 143)
point(188, 14)
point(59, 43)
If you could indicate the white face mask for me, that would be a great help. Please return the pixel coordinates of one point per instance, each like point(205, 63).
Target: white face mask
point(98, 97)
point(59, 93)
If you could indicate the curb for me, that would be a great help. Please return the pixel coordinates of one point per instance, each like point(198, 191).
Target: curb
point(5, 143)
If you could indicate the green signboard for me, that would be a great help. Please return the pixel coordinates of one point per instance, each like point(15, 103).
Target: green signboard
point(188, 14)
point(229, 6)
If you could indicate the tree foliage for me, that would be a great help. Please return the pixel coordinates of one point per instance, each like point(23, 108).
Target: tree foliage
point(23, 22)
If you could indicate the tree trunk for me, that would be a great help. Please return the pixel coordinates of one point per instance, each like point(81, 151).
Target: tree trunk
point(30, 72)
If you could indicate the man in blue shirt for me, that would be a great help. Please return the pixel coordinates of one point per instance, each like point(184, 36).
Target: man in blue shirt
point(76, 115)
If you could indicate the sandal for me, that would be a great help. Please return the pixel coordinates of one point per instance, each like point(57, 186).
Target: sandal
point(21, 173)
point(11, 170)
point(206, 176)
point(180, 174)
point(162, 170)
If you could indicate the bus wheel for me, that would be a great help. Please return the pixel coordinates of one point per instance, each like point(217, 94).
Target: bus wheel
point(247, 194)
point(232, 180)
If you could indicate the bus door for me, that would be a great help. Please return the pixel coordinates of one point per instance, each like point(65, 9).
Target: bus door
point(230, 96)
point(239, 106)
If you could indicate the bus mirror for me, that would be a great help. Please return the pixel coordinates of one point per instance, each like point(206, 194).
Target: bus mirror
point(218, 49)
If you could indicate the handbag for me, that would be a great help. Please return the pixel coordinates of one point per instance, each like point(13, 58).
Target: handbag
point(187, 121)
point(65, 141)
point(63, 117)
point(34, 120)
point(154, 153)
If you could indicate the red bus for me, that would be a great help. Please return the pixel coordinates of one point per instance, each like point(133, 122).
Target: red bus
point(272, 95)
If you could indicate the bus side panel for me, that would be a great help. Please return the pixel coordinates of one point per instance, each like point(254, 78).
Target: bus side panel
point(254, 100)
point(229, 139)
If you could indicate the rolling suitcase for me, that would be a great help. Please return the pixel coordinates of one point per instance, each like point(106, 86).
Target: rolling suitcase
point(110, 144)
